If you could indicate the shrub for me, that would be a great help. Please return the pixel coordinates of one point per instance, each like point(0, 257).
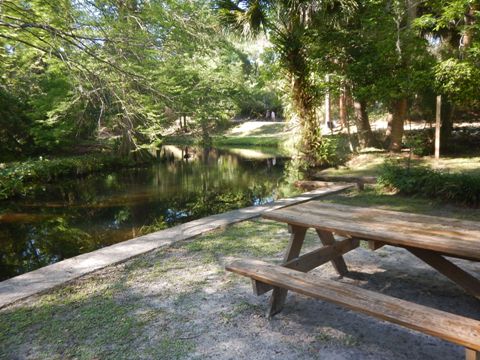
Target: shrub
point(423, 181)
point(16, 177)
point(421, 142)
point(333, 150)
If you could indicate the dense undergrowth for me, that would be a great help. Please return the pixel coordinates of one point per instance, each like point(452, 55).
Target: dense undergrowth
point(461, 188)
point(18, 178)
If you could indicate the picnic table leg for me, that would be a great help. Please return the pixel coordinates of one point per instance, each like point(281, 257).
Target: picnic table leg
point(462, 278)
point(338, 263)
point(297, 236)
point(471, 354)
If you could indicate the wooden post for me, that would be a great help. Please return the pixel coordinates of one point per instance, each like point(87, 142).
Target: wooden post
point(471, 354)
point(437, 126)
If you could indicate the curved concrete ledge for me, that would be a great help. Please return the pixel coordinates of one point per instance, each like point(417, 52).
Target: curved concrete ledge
point(48, 277)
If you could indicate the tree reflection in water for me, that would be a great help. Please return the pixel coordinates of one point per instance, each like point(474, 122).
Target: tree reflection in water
point(80, 215)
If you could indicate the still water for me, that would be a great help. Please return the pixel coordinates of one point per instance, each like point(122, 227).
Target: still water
point(75, 216)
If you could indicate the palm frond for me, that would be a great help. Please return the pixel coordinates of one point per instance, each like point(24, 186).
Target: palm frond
point(245, 17)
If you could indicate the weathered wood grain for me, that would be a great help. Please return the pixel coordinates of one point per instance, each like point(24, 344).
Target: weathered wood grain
point(452, 237)
point(279, 294)
point(322, 255)
point(472, 354)
point(338, 263)
point(311, 185)
point(375, 245)
point(454, 328)
point(312, 260)
point(359, 180)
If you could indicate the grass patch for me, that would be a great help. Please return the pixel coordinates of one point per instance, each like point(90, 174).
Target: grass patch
point(258, 129)
point(172, 349)
point(371, 164)
point(82, 322)
point(246, 239)
point(274, 142)
point(243, 239)
point(360, 165)
point(247, 134)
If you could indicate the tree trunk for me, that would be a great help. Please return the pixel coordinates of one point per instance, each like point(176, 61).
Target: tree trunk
point(342, 108)
point(469, 20)
point(310, 131)
point(397, 116)
point(438, 125)
point(328, 124)
point(364, 131)
point(447, 122)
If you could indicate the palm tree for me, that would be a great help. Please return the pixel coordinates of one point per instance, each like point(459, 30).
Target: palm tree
point(287, 23)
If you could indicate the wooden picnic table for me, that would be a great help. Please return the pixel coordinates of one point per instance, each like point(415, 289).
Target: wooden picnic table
point(340, 229)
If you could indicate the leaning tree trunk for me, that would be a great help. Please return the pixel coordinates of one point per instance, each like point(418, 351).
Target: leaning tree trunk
point(397, 116)
point(364, 131)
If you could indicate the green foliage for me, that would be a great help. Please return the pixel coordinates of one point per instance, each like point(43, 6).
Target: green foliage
point(14, 124)
point(421, 143)
point(125, 71)
point(458, 80)
point(333, 151)
point(454, 187)
point(248, 141)
point(17, 178)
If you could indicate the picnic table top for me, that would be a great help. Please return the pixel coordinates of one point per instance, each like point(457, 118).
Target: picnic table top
point(451, 237)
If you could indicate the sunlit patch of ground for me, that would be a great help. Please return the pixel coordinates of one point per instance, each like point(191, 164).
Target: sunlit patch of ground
point(454, 164)
point(259, 128)
point(370, 164)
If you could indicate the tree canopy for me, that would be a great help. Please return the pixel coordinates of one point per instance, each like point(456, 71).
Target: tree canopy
point(126, 70)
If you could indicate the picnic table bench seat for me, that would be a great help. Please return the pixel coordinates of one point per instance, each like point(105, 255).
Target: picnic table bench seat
point(454, 328)
point(340, 229)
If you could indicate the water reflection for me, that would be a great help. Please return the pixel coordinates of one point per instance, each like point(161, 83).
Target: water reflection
point(80, 215)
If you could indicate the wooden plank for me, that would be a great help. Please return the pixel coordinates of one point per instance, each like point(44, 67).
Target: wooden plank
point(471, 354)
point(468, 282)
point(311, 260)
point(311, 185)
point(363, 179)
point(277, 300)
point(359, 180)
point(375, 245)
point(454, 237)
point(338, 263)
point(260, 288)
point(454, 328)
point(323, 255)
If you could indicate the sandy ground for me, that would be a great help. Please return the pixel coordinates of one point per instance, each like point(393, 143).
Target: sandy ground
point(193, 309)
point(312, 329)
